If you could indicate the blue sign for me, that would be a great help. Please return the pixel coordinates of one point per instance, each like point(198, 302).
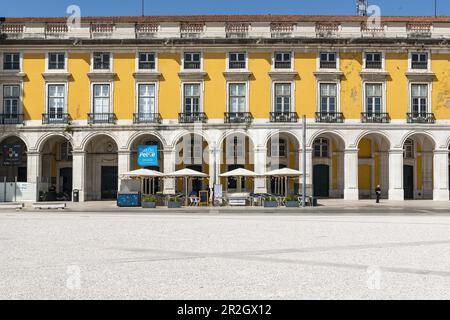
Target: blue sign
point(147, 156)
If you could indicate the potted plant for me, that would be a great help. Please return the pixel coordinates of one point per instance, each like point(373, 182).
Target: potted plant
point(148, 201)
point(270, 202)
point(291, 202)
point(174, 203)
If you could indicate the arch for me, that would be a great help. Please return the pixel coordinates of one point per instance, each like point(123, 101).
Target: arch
point(366, 133)
point(140, 134)
point(183, 133)
point(18, 136)
point(332, 133)
point(280, 132)
point(46, 137)
point(409, 135)
point(94, 135)
point(228, 133)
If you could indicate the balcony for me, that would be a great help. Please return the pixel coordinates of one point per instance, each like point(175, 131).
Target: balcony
point(283, 117)
point(11, 118)
point(375, 117)
point(192, 65)
point(238, 117)
point(154, 118)
point(237, 65)
point(96, 118)
point(417, 65)
point(330, 117)
point(420, 117)
point(192, 117)
point(328, 64)
point(373, 65)
point(55, 118)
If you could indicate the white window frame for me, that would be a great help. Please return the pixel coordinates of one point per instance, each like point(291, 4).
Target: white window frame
point(338, 64)
point(338, 94)
point(383, 98)
point(192, 70)
point(428, 69)
point(283, 51)
point(273, 94)
point(429, 97)
point(228, 60)
point(20, 61)
point(201, 83)
point(110, 61)
point(20, 84)
point(66, 95)
point(246, 94)
point(383, 60)
point(329, 153)
point(147, 52)
point(111, 95)
point(156, 84)
point(47, 61)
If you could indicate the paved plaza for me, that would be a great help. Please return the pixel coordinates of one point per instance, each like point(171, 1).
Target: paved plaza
point(104, 253)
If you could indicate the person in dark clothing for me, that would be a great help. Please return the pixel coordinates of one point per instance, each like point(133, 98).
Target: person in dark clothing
point(378, 193)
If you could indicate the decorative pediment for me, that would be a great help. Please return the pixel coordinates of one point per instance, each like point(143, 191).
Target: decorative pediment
point(420, 76)
point(101, 76)
point(147, 76)
point(12, 76)
point(283, 75)
point(374, 75)
point(329, 75)
point(237, 75)
point(192, 75)
point(56, 76)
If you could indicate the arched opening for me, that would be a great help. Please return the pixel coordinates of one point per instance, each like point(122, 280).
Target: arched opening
point(418, 167)
point(373, 165)
point(237, 152)
point(55, 182)
point(328, 166)
point(13, 169)
point(101, 168)
point(192, 152)
point(283, 152)
point(149, 186)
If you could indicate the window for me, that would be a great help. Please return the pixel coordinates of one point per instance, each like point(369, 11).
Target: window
point(419, 99)
point(419, 61)
point(56, 61)
point(328, 60)
point(321, 148)
point(237, 97)
point(374, 98)
point(374, 60)
point(102, 61)
point(278, 148)
point(282, 60)
point(66, 151)
point(282, 97)
point(101, 99)
point(11, 100)
point(192, 60)
point(191, 98)
point(147, 61)
point(408, 149)
point(11, 61)
point(56, 100)
point(237, 60)
point(328, 97)
point(146, 100)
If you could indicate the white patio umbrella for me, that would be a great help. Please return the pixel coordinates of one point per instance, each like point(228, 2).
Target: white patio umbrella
point(286, 173)
point(239, 173)
point(186, 174)
point(142, 174)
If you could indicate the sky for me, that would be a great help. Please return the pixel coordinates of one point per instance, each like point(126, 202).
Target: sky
point(35, 8)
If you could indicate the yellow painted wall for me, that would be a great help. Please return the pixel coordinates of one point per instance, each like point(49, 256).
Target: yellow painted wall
point(397, 85)
point(306, 84)
point(364, 176)
point(441, 86)
point(365, 148)
point(124, 85)
point(260, 82)
point(34, 86)
point(215, 85)
point(351, 91)
point(169, 86)
point(79, 85)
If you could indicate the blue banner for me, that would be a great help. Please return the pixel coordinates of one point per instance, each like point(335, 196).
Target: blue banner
point(147, 156)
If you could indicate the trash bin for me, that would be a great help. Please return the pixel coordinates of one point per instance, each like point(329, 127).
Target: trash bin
point(76, 195)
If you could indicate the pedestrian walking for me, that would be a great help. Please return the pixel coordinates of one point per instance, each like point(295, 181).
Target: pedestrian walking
point(378, 193)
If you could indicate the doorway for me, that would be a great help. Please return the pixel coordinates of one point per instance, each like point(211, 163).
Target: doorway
point(65, 183)
point(321, 180)
point(109, 183)
point(408, 181)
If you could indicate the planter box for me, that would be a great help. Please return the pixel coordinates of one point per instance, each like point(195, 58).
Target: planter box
point(270, 204)
point(151, 205)
point(173, 205)
point(292, 204)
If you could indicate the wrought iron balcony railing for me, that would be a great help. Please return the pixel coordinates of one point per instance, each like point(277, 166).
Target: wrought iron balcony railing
point(416, 65)
point(282, 64)
point(192, 117)
point(147, 118)
point(420, 117)
point(238, 117)
point(375, 117)
point(94, 118)
point(328, 64)
point(330, 117)
point(236, 65)
point(8, 118)
point(283, 117)
point(55, 118)
point(374, 65)
point(191, 65)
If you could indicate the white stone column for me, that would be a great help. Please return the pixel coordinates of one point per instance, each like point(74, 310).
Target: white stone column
point(384, 173)
point(34, 172)
point(307, 171)
point(440, 181)
point(123, 164)
point(79, 173)
point(396, 191)
point(260, 168)
point(214, 166)
point(169, 166)
point(351, 191)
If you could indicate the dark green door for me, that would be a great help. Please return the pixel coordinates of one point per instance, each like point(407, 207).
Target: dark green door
point(66, 181)
point(109, 183)
point(321, 180)
point(408, 181)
